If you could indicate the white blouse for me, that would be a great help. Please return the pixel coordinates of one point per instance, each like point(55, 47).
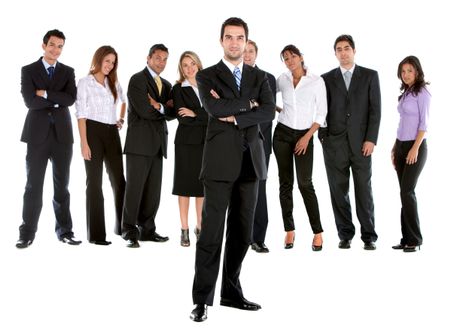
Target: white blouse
point(305, 104)
point(96, 102)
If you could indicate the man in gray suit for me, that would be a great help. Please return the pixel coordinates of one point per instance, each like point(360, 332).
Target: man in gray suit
point(354, 112)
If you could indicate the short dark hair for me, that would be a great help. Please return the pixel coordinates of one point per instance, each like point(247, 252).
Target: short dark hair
point(292, 49)
point(234, 21)
point(345, 38)
point(157, 47)
point(54, 32)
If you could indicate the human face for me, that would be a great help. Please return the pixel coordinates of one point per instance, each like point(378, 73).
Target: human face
point(292, 61)
point(157, 61)
point(189, 68)
point(53, 49)
point(108, 63)
point(345, 54)
point(233, 42)
point(409, 74)
point(250, 54)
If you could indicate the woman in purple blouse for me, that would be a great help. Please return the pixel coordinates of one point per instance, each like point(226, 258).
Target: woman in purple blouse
point(410, 149)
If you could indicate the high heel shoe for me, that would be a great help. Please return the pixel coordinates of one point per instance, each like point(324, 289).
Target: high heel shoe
point(197, 232)
point(317, 248)
point(399, 246)
point(289, 245)
point(411, 249)
point(185, 242)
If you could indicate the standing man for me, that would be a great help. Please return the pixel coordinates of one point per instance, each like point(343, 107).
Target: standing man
point(354, 112)
point(48, 88)
point(150, 105)
point(237, 98)
point(261, 216)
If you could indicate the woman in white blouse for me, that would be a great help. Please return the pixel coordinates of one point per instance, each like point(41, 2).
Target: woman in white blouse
point(98, 95)
point(304, 111)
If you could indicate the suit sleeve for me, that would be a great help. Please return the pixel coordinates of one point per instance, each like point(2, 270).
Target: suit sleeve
point(67, 96)
point(138, 100)
point(264, 113)
point(28, 90)
point(221, 107)
point(374, 116)
point(179, 102)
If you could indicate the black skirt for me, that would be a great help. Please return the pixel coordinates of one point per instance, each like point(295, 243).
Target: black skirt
point(188, 163)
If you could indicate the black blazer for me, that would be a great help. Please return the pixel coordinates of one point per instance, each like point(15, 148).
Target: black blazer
point(191, 130)
point(61, 93)
point(147, 127)
point(355, 113)
point(266, 128)
point(223, 151)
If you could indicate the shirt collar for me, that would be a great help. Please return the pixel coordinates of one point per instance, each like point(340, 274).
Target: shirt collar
point(152, 73)
point(47, 65)
point(231, 66)
point(343, 70)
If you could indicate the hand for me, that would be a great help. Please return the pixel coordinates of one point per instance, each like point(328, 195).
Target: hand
point(393, 156)
point(40, 92)
point(301, 146)
point(229, 119)
point(119, 123)
point(153, 102)
point(169, 103)
point(214, 94)
point(278, 109)
point(185, 112)
point(411, 158)
point(367, 148)
point(86, 151)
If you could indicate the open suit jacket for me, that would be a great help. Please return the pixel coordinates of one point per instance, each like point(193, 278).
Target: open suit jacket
point(355, 113)
point(61, 91)
point(223, 153)
point(147, 127)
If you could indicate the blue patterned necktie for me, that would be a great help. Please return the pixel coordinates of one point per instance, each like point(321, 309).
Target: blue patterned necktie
point(51, 70)
point(237, 76)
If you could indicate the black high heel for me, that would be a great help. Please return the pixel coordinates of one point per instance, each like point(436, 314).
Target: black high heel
point(399, 246)
point(316, 248)
point(197, 232)
point(185, 242)
point(411, 249)
point(289, 245)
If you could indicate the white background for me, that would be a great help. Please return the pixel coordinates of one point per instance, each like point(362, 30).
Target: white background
point(56, 288)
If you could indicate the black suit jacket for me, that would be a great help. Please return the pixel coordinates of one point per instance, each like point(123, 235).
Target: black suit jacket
point(147, 127)
point(266, 128)
point(223, 151)
point(355, 113)
point(61, 93)
point(191, 130)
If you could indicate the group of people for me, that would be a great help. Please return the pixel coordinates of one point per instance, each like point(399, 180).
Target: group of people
point(223, 145)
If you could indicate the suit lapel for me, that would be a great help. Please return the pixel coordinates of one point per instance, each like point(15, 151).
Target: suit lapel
point(355, 80)
point(248, 77)
point(339, 81)
point(227, 77)
point(40, 68)
point(189, 91)
point(151, 82)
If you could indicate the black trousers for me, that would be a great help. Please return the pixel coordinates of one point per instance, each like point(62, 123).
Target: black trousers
point(408, 175)
point(284, 140)
point(60, 155)
point(239, 197)
point(142, 196)
point(339, 159)
point(261, 215)
point(104, 142)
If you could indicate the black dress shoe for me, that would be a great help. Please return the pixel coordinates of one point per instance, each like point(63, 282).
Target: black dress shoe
point(316, 248)
point(132, 243)
point(345, 244)
point(155, 237)
point(399, 246)
point(243, 304)
point(410, 249)
point(199, 313)
point(260, 247)
point(370, 245)
point(71, 241)
point(100, 242)
point(21, 243)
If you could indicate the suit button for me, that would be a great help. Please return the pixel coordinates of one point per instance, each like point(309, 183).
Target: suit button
point(49, 113)
point(348, 115)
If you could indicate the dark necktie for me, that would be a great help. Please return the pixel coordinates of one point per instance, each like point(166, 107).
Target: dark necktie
point(51, 71)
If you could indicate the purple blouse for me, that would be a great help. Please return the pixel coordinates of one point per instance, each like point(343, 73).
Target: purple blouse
point(414, 113)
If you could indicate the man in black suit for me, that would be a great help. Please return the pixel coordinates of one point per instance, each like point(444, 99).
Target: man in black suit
point(261, 215)
point(237, 98)
point(48, 88)
point(353, 119)
point(149, 107)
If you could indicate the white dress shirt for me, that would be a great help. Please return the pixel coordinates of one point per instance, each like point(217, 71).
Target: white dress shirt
point(186, 83)
point(305, 104)
point(96, 102)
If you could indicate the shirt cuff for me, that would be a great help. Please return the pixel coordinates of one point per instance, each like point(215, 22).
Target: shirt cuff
point(45, 95)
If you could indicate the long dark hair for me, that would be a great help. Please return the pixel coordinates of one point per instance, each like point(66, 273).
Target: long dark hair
point(96, 66)
point(420, 80)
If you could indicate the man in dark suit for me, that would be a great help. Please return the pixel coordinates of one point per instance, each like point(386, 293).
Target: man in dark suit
point(261, 215)
point(150, 105)
point(353, 120)
point(48, 88)
point(237, 98)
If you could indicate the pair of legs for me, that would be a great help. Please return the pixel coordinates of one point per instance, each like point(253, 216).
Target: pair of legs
point(183, 202)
